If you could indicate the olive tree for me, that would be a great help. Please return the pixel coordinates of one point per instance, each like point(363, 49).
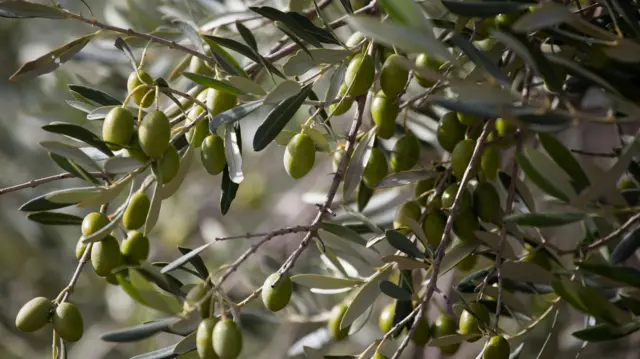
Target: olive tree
point(451, 114)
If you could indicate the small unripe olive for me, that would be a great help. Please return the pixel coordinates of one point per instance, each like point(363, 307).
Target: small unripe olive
point(467, 119)
point(506, 20)
point(497, 348)
point(376, 169)
point(80, 248)
point(136, 213)
point(359, 75)
point(393, 76)
point(504, 127)
point(406, 153)
point(34, 314)
point(169, 164)
point(484, 28)
point(195, 295)
point(337, 313)
point(421, 188)
point(464, 226)
point(433, 227)
point(422, 334)
point(135, 248)
point(354, 39)
point(198, 66)
point(384, 111)
point(134, 81)
point(378, 355)
point(204, 339)
point(198, 132)
point(118, 126)
point(468, 263)
point(490, 162)
point(276, 298)
point(450, 131)
point(385, 321)
point(486, 202)
point(105, 255)
point(67, 322)
point(449, 196)
point(470, 324)
point(299, 156)
point(445, 325)
point(341, 107)
point(93, 222)
point(409, 210)
point(227, 339)
point(212, 154)
point(426, 62)
point(220, 101)
point(154, 134)
point(461, 156)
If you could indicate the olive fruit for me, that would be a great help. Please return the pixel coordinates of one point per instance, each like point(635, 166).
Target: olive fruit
point(80, 248)
point(299, 156)
point(135, 248)
point(486, 202)
point(506, 20)
point(204, 340)
point(422, 187)
point(424, 61)
point(198, 66)
point(504, 127)
point(384, 111)
point(169, 164)
point(450, 131)
point(354, 39)
point(93, 222)
point(409, 210)
point(67, 322)
point(340, 108)
point(212, 154)
point(118, 126)
point(105, 255)
point(471, 322)
point(154, 134)
point(422, 334)
point(385, 321)
point(194, 296)
point(433, 227)
point(449, 196)
point(34, 314)
point(378, 355)
point(276, 298)
point(337, 313)
point(490, 162)
point(461, 156)
point(227, 339)
point(393, 76)
point(537, 257)
point(464, 226)
point(138, 95)
point(497, 348)
point(359, 75)
point(468, 263)
point(376, 169)
point(405, 154)
point(445, 325)
point(219, 101)
point(136, 213)
point(201, 129)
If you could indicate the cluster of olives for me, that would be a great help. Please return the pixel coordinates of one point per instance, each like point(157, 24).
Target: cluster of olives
point(65, 317)
point(218, 339)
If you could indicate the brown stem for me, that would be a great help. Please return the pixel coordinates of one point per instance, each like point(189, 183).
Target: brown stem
point(38, 182)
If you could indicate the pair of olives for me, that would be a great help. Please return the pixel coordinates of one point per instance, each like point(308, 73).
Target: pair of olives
point(218, 339)
point(65, 317)
point(421, 334)
point(385, 107)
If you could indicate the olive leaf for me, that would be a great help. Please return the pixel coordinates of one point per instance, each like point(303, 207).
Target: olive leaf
point(605, 332)
point(626, 275)
point(229, 190)
point(297, 25)
point(626, 248)
point(394, 291)
point(365, 296)
point(408, 13)
point(587, 300)
point(210, 82)
point(404, 178)
point(61, 198)
point(452, 339)
point(553, 181)
point(94, 95)
point(242, 49)
point(184, 259)
point(484, 9)
point(78, 133)
point(398, 241)
point(54, 218)
point(139, 332)
point(233, 115)
point(24, 9)
point(324, 282)
point(358, 162)
point(70, 152)
point(545, 219)
point(73, 168)
point(405, 262)
point(565, 160)
point(301, 62)
point(283, 91)
point(480, 59)
point(233, 155)
point(118, 165)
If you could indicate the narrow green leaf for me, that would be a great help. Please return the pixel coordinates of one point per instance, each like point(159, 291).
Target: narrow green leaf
point(82, 106)
point(54, 218)
point(119, 165)
point(565, 160)
point(532, 162)
point(587, 300)
point(196, 261)
point(358, 162)
point(215, 41)
point(626, 275)
point(343, 232)
point(393, 291)
point(405, 262)
point(156, 300)
point(75, 169)
point(404, 178)
point(24, 9)
point(70, 152)
point(283, 91)
point(164, 353)
point(78, 133)
point(365, 296)
point(139, 332)
point(228, 62)
point(484, 9)
point(95, 95)
point(229, 190)
point(626, 248)
point(210, 82)
point(301, 62)
point(480, 59)
point(544, 16)
point(122, 45)
point(452, 339)
point(233, 115)
point(523, 193)
point(545, 219)
point(184, 259)
point(108, 195)
point(605, 332)
point(398, 241)
point(298, 25)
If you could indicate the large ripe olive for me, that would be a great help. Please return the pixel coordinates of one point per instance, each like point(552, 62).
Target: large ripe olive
point(384, 111)
point(340, 108)
point(406, 153)
point(393, 76)
point(227, 339)
point(406, 210)
point(449, 196)
point(497, 348)
point(212, 154)
point(299, 156)
point(337, 313)
point(472, 321)
point(34, 314)
point(464, 226)
point(450, 131)
point(461, 156)
point(385, 320)
point(422, 334)
point(219, 101)
point(105, 256)
point(445, 325)
point(276, 298)
point(136, 213)
point(118, 126)
point(204, 339)
point(426, 62)
point(135, 248)
point(486, 202)
point(199, 66)
point(376, 169)
point(433, 227)
point(421, 189)
point(490, 162)
point(134, 81)
point(359, 75)
point(67, 322)
point(468, 119)
point(154, 134)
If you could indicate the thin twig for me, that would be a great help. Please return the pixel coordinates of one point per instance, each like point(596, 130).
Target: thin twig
point(606, 239)
point(278, 232)
point(38, 182)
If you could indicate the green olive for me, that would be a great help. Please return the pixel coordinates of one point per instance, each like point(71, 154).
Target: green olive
point(80, 248)
point(626, 182)
point(227, 339)
point(135, 248)
point(393, 76)
point(195, 296)
point(505, 127)
point(409, 210)
point(112, 279)
point(136, 213)
point(198, 132)
point(340, 108)
point(354, 39)
point(537, 257)
point(105, 255)
point(384, 111)
point(450, 131)
point(433, 227)
point(299, 156)
point(138, 95)
point(468, 119)
point(337, 313)
point(424, 61)
point(486, 202)
point(421, 188)
point(506, 20)
point(376, 169)
point(445, 325)
point(276, 298)
point(169, 164)
point(118, 126)
point(464, 226)
point(468, 263)
point(473, 320)
point(93, 222)
point(34, 314)
point(204, 339)
point(154, 134)
point(359, 75)
point(449, 196)
point(490, 162)
point(422, 334)
point(212, 154)
point(497, 348)
point(134, 150)
point(378, 355)
point(484, 28)
point(199, 66)
point(220, 101)
point(406, 153)
point(67, 322)
point(461, 156)
point(385, 321)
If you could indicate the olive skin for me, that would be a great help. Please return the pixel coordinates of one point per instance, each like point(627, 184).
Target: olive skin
point(486, 202)
point(464, 226)
point(468, 263)
point(444, 326)
point(377, 355)
point(497, 348)
point(422, 334)
point(421, 187)
point(198, 66)
point(406, 153)
point(154, 134)
point(354, 39)
point(67, 322)
point(93, 222)
point(337, 313)
point(426, 62)
point(340, 108)
point(80, 248)
point(467, 119)
point(490, 162)
point(449, 196)
point(433, 227)
point(212, 154)
point(105, 256)
point(384, 111)
point(169, 164)
point(410, 210)
point(134, 81)
point(505, 128)
point(393, 76)
point(470, 324)
point(506, 20)
point(376, 169)
point(299, 156)
point(220, 101)
point(450, 131)
point(204, 342)
point(34, 314)
point(276, 298)
point(385, 321)
point(227, 339)
point(195, 295)
point(136, 213)
point(198, 132)
point(461, 156)
point(135, 248)
point(359, 75)
point(118, 126)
